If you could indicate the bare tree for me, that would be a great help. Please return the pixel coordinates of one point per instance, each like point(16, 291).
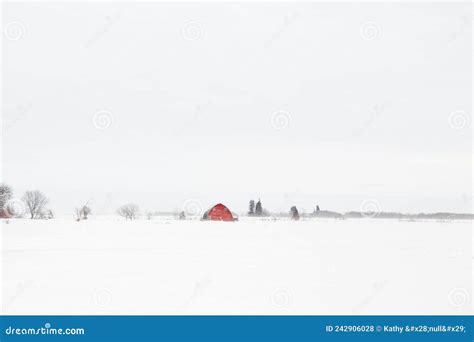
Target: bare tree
point(86, 211)
point(129, 211)
point(35, 202)
point(77, 214)
point(5, 195)
point(82, 212)
point(49, 214)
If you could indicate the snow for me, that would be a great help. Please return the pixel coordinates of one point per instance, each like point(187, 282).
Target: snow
point(107, 265)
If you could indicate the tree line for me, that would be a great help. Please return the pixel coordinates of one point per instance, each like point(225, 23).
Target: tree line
point(34, 203)
point(256, 209)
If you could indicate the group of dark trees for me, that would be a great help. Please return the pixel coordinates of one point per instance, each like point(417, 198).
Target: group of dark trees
point(256, 209)
point(33, 203)
point(294, 214)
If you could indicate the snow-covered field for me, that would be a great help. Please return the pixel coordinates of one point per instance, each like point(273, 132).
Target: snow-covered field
point(107, 265)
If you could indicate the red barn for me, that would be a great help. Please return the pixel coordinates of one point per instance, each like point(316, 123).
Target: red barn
point(219, 212)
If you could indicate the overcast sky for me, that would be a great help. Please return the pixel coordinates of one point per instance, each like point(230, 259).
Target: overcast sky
point(303, 104)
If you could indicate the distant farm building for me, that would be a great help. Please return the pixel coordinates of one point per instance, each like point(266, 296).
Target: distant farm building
point(219, 212)
point(5, 213)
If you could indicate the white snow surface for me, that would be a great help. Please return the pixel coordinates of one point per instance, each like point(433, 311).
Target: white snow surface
point(107, 265)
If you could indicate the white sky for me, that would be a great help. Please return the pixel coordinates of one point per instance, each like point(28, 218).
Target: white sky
point(192, 89)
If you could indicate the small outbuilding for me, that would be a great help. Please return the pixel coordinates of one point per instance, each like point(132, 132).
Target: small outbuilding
point(219, 212)
point(5, 213)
